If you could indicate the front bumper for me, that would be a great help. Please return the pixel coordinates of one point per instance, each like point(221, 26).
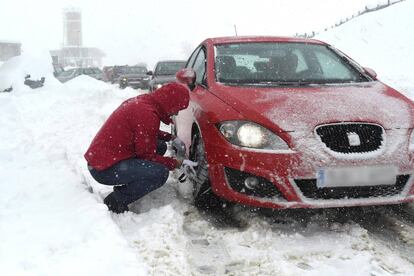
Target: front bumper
point(288, 179)
point(135, 83)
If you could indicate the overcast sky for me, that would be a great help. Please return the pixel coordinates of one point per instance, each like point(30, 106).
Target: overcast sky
point(131, 31)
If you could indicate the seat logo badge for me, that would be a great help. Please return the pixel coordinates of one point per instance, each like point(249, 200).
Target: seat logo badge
point(353, 139)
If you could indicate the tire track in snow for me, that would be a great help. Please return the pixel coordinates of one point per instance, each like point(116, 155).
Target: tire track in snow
point(393, 227)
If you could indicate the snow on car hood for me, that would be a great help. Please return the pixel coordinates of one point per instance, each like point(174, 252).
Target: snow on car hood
point(303, 108)
point(133, 76)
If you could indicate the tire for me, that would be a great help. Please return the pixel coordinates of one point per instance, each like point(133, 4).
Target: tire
point(204, 197)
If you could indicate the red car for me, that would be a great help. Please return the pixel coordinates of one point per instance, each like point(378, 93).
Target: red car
point(282, 122)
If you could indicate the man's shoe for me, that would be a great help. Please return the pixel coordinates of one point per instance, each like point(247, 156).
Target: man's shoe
point(115, 205)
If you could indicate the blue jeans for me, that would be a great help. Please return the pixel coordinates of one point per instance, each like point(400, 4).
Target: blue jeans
point(133, 178)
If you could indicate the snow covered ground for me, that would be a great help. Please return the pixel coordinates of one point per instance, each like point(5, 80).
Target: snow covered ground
point(53, 222)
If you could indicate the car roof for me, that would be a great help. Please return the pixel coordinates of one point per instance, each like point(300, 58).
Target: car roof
point(244, 39)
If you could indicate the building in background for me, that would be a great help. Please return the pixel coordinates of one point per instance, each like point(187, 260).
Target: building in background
point(73, 53)
point(9, 49)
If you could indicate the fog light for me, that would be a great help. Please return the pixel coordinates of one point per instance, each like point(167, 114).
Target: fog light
point(251, 182)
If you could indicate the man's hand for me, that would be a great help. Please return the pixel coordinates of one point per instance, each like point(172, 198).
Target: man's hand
point(179, 148)
point(179, 163)
point(190, 163)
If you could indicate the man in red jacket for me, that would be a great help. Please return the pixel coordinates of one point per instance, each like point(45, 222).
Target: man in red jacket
point(128, 150)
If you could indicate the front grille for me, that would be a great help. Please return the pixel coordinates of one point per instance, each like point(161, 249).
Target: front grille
point(310, 190)
point(337, 137)
point(265, 188)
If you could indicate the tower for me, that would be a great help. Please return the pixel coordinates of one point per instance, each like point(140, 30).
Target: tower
point(72, 27)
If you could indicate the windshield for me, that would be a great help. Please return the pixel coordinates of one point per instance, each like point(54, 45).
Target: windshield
point(282, 63)
point(136, 70)
point(118, 70)
point(169, 68)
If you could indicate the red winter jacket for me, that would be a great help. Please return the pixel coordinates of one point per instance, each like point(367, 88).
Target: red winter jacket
point(132, 129)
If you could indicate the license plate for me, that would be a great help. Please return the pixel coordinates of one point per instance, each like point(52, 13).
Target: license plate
point(356, 176)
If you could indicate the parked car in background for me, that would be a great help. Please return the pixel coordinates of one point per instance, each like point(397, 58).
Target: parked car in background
point(164, 72)
point(134, 76)
point(116, 72)
point(294, 123)
point(69, 74)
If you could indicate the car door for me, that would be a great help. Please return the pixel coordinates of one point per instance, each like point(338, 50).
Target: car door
point(186, 118)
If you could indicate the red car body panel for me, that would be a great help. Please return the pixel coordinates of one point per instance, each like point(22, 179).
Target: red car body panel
point(293, 113)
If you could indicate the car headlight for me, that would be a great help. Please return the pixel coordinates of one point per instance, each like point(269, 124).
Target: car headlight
point(251, 135)
point(411, 141)
point(124, 79)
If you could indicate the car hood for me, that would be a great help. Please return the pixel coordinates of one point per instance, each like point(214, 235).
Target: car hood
point(303, 108)
point(164, 79)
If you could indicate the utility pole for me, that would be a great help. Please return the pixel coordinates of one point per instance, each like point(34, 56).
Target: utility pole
point(235, 29)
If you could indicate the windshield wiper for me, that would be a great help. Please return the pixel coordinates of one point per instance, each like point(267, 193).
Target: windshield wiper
point(277, 83)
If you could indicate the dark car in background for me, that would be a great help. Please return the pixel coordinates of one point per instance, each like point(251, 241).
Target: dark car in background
point(164, 72)
point(69, 74)
point(115, 72)
point(134, 76)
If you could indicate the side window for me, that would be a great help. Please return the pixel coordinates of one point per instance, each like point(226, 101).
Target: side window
point(200, 67)
point(193, 56)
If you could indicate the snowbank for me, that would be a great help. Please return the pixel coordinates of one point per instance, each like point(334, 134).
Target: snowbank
point(50, 222)
point(14, 70)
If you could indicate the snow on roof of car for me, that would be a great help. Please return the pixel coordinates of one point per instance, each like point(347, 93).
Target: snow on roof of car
point(241, 39)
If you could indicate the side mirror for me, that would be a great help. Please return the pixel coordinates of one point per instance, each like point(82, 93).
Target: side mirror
point(371, 72)
point(186, 76)
point(150, 73)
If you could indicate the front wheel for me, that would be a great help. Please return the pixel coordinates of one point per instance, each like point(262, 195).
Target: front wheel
point(204, 197)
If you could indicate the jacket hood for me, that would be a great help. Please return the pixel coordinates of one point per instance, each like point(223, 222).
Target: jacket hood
point(170, 99)
point(301, 109)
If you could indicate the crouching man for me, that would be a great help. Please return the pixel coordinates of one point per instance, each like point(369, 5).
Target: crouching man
point(128, 150)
